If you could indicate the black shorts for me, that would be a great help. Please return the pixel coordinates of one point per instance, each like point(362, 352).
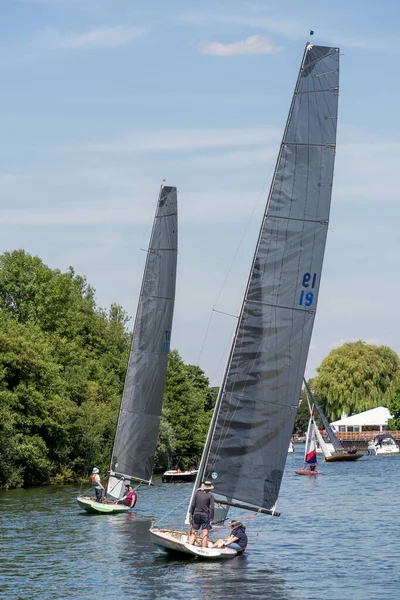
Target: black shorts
point(201, 521)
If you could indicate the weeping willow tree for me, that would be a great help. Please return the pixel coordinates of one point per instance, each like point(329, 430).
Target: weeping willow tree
point(356, 377)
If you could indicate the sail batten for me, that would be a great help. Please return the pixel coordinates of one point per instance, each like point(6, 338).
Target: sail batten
point(140, 412)
point(246, 448)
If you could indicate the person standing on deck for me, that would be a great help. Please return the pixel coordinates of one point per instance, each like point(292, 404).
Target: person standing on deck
point(202, 512)
point(96, 483)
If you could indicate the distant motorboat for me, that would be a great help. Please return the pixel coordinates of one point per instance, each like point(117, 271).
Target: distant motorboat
point(383, 444)
point(178, 475)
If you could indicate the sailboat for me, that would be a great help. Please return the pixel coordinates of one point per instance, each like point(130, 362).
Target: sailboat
point(339, 452)
point(247, 444)
point(310, 452)
point(140, 411)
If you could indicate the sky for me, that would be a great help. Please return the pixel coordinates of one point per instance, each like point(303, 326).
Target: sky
point(102, 99)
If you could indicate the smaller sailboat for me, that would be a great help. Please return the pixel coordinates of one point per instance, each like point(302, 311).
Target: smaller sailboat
point(339, 452)
point(310, 452)
point(140, 412)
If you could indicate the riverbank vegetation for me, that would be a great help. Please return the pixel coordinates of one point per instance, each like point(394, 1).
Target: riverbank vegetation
point(62, 369)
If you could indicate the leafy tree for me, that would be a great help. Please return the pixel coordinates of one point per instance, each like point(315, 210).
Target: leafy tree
point(62, 369)
point(185, 400)
point(303, 415)
point(356, 377)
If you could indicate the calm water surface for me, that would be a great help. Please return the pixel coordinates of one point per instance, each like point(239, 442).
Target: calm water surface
point(337, 539)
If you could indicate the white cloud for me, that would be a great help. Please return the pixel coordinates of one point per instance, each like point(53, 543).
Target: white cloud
point(100, 37)
point(292, 29)
point(180, 139)
point(255, 44)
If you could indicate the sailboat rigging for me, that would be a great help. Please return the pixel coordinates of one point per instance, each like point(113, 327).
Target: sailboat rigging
point(247, 443)
point(310, 452)
point(140, 411)
point(339, 452)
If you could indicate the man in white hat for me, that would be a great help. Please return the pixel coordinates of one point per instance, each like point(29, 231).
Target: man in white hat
point(202, 512)
point(96, 483)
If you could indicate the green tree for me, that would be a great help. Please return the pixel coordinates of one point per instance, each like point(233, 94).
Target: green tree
point(356, 377)
point(62, 369)
point(185, 399)
point(303, 415)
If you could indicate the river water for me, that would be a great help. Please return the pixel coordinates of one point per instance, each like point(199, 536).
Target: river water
point(338, 538)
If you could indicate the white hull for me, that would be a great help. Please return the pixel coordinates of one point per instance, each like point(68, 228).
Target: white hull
point(384, 450)
point(177, 541)
point(171, 476)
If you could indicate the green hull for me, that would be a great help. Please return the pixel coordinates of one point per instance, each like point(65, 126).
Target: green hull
point(98, 508)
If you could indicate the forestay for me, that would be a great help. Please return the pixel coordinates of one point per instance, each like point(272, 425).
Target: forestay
point(247, 445)
point(139, 418)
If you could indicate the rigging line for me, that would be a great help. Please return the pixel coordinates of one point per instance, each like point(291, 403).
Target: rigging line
point(260, 196)
point(175, 507)
point(221, 312)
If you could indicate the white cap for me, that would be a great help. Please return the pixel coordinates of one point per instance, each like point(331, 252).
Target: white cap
point(95, 470)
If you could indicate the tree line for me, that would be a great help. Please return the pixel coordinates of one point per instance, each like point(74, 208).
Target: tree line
point(62, 368)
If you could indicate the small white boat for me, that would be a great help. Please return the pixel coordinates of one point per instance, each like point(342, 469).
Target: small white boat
point(291, 447)
point(383, 445)
point(178, 475)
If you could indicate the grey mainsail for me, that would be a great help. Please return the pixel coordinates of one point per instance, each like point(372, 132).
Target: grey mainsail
point(140, 412)
point(248, 440)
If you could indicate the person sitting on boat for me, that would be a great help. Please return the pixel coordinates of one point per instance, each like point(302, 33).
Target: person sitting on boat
point(312, 467)
point(237, 539)
point(97, 485)
point(202, 512)
point(130, 497)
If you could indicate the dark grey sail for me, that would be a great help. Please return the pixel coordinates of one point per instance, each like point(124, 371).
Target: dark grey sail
point(247, 446)
point(139, 418)
point(332, 437)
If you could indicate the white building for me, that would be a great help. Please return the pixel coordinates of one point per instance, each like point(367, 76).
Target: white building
point(375, 419)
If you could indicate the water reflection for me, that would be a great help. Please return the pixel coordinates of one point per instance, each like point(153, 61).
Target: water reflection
point(345, 521)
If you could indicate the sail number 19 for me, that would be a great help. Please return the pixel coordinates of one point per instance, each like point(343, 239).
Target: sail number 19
point(306, 296)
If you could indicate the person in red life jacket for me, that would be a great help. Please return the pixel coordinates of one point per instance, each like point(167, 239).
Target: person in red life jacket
point(130, 497)
point(97, 485)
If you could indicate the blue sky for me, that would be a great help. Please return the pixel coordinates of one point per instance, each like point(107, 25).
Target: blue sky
point(101, 99)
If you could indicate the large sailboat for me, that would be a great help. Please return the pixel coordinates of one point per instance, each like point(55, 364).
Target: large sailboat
point(140, 412)
point(247, 443)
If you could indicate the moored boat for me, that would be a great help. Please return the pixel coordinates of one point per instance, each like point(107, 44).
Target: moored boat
point(383, 444)
point(179, 476)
